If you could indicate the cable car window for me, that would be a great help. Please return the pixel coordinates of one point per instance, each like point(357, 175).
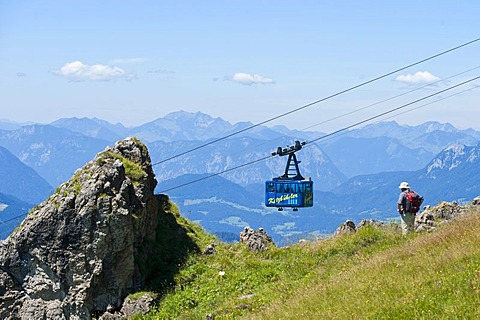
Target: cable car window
point(270, 187)
point(279, 188)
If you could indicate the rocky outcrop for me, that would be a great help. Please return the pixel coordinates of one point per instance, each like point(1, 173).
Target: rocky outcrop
point(348, 227)
point(84, 249)
point(255, 240)
point(428, 219)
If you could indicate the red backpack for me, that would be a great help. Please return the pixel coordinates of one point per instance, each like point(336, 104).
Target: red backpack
point(414, 201)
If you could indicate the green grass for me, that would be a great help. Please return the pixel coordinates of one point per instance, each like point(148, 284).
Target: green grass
point(373, 274)
point(431, 276)
point(133, 170)
point(251, 282)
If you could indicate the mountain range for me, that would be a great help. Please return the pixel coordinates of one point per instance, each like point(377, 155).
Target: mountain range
point(18, 179)
point(355, 173)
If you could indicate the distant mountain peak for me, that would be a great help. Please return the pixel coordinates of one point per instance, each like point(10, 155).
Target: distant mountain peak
point(93, 127)
point(186, 115)
point(453, 157)
point(431, 126)
point(195, 119)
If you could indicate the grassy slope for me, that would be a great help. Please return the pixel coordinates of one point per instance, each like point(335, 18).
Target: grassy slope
point(431, 276)
point(374, 274)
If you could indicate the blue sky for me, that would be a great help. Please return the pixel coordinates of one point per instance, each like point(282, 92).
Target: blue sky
point(135, 61)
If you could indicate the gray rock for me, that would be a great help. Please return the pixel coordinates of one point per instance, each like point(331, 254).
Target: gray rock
point(78, 252)
point(348, 227)
point(476, 201)
point(137, 305)
point(430, 217)
point(256, 241)
point(210, 249)
point(369, 222)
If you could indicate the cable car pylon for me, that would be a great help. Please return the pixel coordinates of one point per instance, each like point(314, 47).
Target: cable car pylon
point(291, 170)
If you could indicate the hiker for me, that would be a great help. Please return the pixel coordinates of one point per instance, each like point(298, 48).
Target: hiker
point(408, 204)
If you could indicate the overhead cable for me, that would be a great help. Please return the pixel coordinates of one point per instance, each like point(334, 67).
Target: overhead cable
point(317, 101)
point(425, 104)
point(13, 218)
point(390, 98)
point(394, 109)
point(216, 174)
point(375, 104)
point(332, 133)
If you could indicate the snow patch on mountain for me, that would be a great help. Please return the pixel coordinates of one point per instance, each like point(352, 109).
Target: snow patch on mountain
point(450, 159)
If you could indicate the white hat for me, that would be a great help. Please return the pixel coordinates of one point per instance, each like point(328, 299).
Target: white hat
point(404, 185)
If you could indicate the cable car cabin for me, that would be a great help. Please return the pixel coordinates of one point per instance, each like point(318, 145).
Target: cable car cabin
point(282, 193)
point(291, 189)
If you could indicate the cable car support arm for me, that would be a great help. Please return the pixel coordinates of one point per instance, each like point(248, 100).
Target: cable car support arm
point(292, 170)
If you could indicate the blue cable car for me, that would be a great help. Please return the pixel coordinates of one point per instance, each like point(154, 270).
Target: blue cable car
point(290, 190)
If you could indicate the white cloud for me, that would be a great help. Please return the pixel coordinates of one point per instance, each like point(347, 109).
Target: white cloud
point(249, 79)
point(417, 78)
point(78, 71)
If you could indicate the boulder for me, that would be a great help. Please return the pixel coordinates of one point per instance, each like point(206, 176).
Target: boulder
point(256, 240)
point(476, 201)
point(348, 227)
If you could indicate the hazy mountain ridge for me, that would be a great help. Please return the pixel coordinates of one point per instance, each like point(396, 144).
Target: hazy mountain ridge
point(376, 154)
point(452, 158)
point(453, 174)
point(431, 136)
point(21, 181)
point(94, 128)
point(9, 125)
point(55, 152)
point(172, 127)
point(236, 152)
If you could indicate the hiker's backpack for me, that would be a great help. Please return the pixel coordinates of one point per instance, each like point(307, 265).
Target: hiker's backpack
point(413, 201)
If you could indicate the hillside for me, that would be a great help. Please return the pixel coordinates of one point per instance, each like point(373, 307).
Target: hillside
point(374, 273)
